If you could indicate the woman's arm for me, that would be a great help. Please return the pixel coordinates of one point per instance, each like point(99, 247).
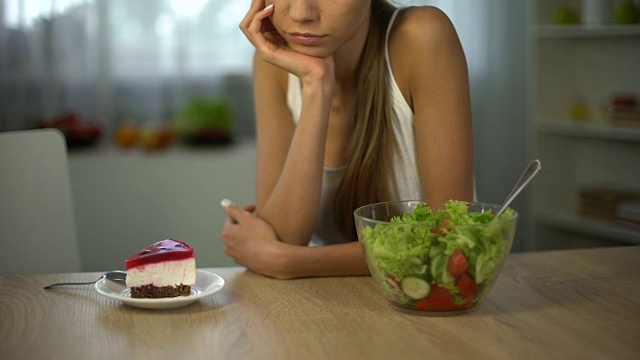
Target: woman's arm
point(430, 68)
point(289, 158)
point(252, 243)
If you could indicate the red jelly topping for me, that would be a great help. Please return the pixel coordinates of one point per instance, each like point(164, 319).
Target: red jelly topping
point(165, 250)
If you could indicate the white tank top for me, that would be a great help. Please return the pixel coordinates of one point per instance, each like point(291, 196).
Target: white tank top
point(405, 166)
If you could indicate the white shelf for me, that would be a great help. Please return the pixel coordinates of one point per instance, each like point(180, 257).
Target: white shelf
point(589, 226)
point(584, 31)
point(588, 131)
point(589, 62)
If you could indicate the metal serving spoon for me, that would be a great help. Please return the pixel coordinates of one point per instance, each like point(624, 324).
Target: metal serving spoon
point(525, 178)
point(116, 275)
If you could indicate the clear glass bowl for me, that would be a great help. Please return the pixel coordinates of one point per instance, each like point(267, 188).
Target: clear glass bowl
point(427, 270)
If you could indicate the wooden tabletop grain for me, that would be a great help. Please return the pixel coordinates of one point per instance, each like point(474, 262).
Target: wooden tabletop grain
point(577, 304)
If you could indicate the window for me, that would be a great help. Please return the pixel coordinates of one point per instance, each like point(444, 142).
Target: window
point(112, 60)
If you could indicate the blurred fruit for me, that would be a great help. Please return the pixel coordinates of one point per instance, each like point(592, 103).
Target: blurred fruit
point(155, 136)
point(127, 135)
point(77, 131)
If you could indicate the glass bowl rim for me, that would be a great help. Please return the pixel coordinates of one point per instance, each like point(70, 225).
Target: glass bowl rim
point(507, 220)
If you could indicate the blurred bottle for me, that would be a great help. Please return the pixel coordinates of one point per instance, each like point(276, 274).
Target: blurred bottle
point(580, 111)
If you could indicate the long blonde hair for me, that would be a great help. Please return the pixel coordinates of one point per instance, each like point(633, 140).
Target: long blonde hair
point(368, 172)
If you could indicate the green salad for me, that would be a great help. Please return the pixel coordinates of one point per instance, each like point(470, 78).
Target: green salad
point(445, 263)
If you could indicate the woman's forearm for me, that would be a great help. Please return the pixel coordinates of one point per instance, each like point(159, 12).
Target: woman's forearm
point(291, 208)
point(329, 260)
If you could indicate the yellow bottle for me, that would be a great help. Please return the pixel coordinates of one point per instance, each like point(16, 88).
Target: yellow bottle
point(580, 111)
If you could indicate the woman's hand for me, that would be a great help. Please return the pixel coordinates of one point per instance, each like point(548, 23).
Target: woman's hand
point(273, 48)
point(252, 242)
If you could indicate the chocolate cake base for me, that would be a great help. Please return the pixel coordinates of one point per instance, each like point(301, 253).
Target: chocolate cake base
point(153, 292)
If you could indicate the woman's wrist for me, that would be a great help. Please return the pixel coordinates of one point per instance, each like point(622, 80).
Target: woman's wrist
point(298, 261)
point(319, 79)
point(323, 87)
point(283, 261)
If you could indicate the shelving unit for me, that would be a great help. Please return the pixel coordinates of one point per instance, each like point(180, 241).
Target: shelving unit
point(564, 127)
point(586, 63)
point(592, 227)
point(585, 32)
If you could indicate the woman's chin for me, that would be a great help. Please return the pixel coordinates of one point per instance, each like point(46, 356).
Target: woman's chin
point(314, 51)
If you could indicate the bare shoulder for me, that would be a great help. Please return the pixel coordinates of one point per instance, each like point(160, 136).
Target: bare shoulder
point(423, 44)
point(423, 28)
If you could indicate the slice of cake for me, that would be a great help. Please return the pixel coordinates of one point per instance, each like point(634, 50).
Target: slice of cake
point(164, 269)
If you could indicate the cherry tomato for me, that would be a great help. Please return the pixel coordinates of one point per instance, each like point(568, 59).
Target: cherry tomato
point(468, 288)
point(422, 305)
point(439, 299)
point(458, 263)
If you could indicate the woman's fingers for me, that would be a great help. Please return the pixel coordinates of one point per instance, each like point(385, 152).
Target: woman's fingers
point(272, 48)
point(235, 212)
point(256, 5)
point(254, 22)
point(261, 31)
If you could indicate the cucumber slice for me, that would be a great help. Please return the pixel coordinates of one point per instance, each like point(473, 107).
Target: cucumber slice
point(417, 267)
point(422, 270)
point(415, 288)
point(435, 250)
point(447, 277)
point(440, 270)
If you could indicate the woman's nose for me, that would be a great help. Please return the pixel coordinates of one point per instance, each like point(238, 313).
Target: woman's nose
point(303, 10)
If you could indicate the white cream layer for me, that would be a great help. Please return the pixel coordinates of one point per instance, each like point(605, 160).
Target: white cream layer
point(164, 273)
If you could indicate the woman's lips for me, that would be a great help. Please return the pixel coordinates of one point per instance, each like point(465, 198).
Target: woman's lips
point(305, 39)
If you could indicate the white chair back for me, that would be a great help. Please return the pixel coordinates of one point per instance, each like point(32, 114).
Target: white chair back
point(37, 224)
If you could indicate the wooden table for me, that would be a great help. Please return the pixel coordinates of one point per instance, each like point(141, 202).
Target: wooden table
point(579, 304)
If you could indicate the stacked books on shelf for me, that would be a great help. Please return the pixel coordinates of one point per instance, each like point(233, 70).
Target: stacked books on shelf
point(629, 118)
point(629, 214)
point(624, 110)
point(619, 206)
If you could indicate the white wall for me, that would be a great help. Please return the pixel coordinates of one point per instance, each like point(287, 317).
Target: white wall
point(126, 201)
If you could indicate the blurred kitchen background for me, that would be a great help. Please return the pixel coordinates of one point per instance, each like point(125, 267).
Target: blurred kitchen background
point(155, 99)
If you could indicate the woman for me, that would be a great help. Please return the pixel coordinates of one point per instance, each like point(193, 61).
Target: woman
point(357, 102)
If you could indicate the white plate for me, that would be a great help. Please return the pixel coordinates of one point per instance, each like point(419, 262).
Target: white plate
point(206, 284)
